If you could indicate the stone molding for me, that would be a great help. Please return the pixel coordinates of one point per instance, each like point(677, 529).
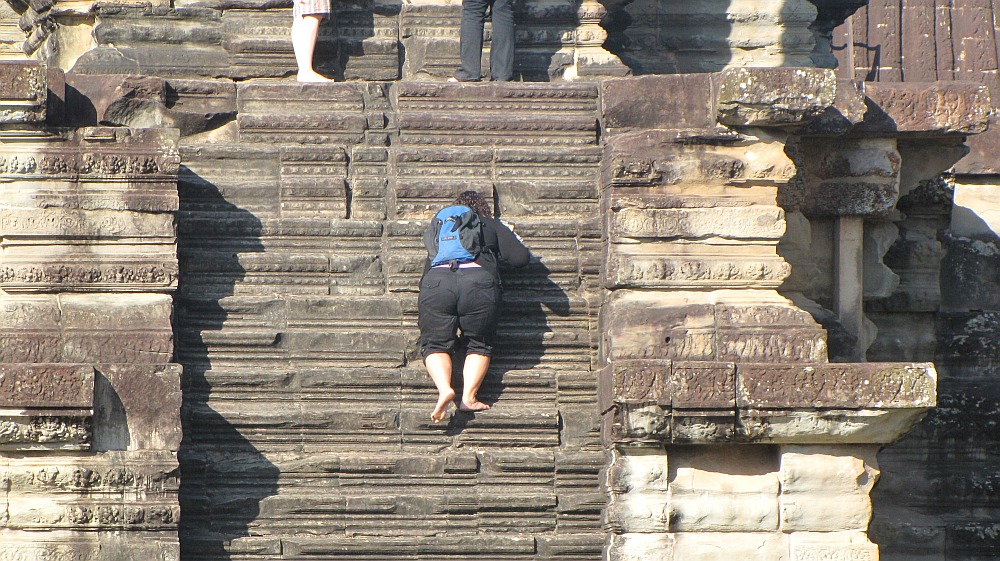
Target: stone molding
point(674, 402)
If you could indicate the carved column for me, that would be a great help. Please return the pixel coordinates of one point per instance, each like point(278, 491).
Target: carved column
point(87, 267)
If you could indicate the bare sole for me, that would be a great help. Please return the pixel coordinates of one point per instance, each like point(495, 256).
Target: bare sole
point(441, 409)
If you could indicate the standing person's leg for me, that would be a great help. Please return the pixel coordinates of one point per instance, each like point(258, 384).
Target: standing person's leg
point(502, 42)
point(471, 40)
point(305, 30)
point(437, 318)
point(478, 304)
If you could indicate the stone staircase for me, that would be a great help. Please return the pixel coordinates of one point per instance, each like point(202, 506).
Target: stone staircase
point(306, 409)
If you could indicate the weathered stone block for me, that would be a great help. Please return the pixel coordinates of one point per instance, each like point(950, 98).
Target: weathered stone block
point(25, 386)
point(725, 546)
point(65, 429)
point(774, 96)
point(309, 114)
point(859, 178)
point(852, 545)
point(643, 423)
point(981, 149)
point(514, 544)
point(23, 92)
point(497, 113)
point(87, 329)
point(55, 224)
point(684, 385)
point(684, 101)
point(826, 490)
point(636, 481)
point(681, 266)
point(640, 547)
point(865, 385)
point(936, 108)
point(120, 99)
point(696, 158)
point(707, 494)
point(702, 427)
point(848, 110)
point(581, 544)
point(833, 426)
point(127, 419)
point(638, 381)
point(28, 545)
point(643, 326)
point(755, 222)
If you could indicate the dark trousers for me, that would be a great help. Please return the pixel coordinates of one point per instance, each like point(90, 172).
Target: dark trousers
point(471, 40)
point(466, 299)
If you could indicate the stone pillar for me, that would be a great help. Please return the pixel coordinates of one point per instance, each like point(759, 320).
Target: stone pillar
point(848, 301)
point(90, 397)
point(724, 420)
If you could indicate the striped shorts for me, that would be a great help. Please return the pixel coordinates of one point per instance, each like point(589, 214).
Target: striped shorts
point(310, 7)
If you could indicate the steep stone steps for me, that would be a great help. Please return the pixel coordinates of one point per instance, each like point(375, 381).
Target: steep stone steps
point(307, 408)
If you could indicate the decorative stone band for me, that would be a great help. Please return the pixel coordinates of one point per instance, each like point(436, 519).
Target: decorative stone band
point(46, 386)
point(45, 406)
point(710, 402)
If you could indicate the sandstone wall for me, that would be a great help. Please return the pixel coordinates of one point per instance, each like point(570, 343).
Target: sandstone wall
point(703, 244)
point(90, 395)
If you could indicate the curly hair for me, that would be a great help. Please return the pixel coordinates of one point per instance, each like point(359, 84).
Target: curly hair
point(476, 202)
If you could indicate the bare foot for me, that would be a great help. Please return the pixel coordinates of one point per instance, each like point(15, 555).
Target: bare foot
point(313, 77)
point(441, 409)
point(474, 405)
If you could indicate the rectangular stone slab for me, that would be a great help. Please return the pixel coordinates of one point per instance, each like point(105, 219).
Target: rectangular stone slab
point(930, 108)
point(23, 92)
point(838, 385)
point(24, 386)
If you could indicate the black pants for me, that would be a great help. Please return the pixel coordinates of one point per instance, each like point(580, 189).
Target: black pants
point(471, 40)
point(466, 299)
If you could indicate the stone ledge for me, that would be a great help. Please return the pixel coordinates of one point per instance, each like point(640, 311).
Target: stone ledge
point(711, 402)
point(810, 98)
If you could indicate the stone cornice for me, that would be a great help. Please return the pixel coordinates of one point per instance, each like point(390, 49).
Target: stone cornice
point(711, 402)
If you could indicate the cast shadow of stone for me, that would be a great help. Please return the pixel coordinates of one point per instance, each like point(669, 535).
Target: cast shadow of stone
point(929, 478)
point(349, 46)
point(224, 477)
point(540, 29)
point(524, 335)
point(655, 37)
